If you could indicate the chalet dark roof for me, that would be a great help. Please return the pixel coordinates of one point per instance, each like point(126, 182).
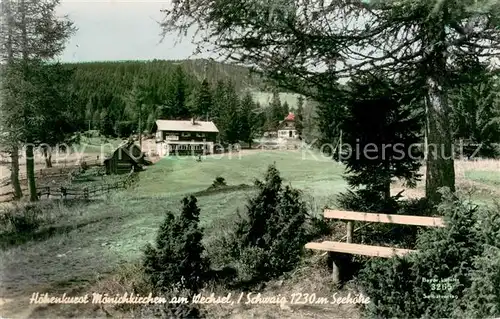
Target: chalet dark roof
point(125, 147)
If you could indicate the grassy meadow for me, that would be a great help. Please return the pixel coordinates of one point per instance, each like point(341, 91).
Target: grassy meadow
point(265, 98)
point(88, 240)
point(80, 243)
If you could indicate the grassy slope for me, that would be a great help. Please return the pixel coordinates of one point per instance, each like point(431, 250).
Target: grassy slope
point(92, 240)
point(265, 98)
point(98, 237)
point(484, 177)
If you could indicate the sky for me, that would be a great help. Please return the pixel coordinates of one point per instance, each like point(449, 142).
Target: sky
point(110, 30)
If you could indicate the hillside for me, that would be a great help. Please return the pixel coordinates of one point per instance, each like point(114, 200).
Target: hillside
point(106, 96)
point(197, 69)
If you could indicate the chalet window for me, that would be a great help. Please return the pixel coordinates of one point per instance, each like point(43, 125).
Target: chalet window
point(200, 134)
point(186, 134)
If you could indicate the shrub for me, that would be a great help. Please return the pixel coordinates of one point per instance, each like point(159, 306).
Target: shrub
point(482, 298)
point(176, 260)
point(218, 182)
point(270, 239)
point(465, 252)
point(24, 219)
point(318, 227)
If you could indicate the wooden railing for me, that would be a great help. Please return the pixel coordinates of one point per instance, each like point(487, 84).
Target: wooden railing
point(73, 193)
point(367, 250)
point(52, 171)
point(84, 193)
point(375, 251)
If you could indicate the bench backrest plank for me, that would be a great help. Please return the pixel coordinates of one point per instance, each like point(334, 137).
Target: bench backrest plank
point(365, 250)
point(385, 218)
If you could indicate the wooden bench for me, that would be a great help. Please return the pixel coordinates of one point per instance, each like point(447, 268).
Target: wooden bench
point(367, 250)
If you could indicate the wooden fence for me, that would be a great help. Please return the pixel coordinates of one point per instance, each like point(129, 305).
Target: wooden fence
point(73, 193)
point(53, 171)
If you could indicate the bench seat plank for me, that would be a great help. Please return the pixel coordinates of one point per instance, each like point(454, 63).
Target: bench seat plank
point(365, 250)
point(385, 218)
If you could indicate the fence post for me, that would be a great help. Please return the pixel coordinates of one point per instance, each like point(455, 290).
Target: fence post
point(48, 192)
point(86, 193)
point(349, 232)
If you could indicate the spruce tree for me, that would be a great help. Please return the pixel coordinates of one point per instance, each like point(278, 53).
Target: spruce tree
point(179, 107)
point(276, 113)
point(219, 102)
point(176, 260)
point(380, 130)
point(299, 117)
point(286, 108)
point(229, 120)
point(204, 100)
point(247, 119)
point(271, 239)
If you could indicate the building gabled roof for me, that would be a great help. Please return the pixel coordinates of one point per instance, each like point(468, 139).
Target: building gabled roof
point(186, 126)
point(290, 117)
point(124, 147)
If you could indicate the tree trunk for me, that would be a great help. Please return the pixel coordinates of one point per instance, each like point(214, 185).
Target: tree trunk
point(387, 181)
point(387, 190)
point(30, 171)
point(48, 158)
point(440, 156)
point(14, 173)
point(14, 155)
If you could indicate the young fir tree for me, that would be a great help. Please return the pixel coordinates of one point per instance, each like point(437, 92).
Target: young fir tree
point(271, 239)
point(176, 260)
point(443, 279)
point(380, 132)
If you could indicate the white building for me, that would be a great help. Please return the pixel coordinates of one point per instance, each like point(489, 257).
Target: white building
point(185, 137)
point(286, 128)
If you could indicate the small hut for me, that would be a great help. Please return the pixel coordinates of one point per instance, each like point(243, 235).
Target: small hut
point(125, 158)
